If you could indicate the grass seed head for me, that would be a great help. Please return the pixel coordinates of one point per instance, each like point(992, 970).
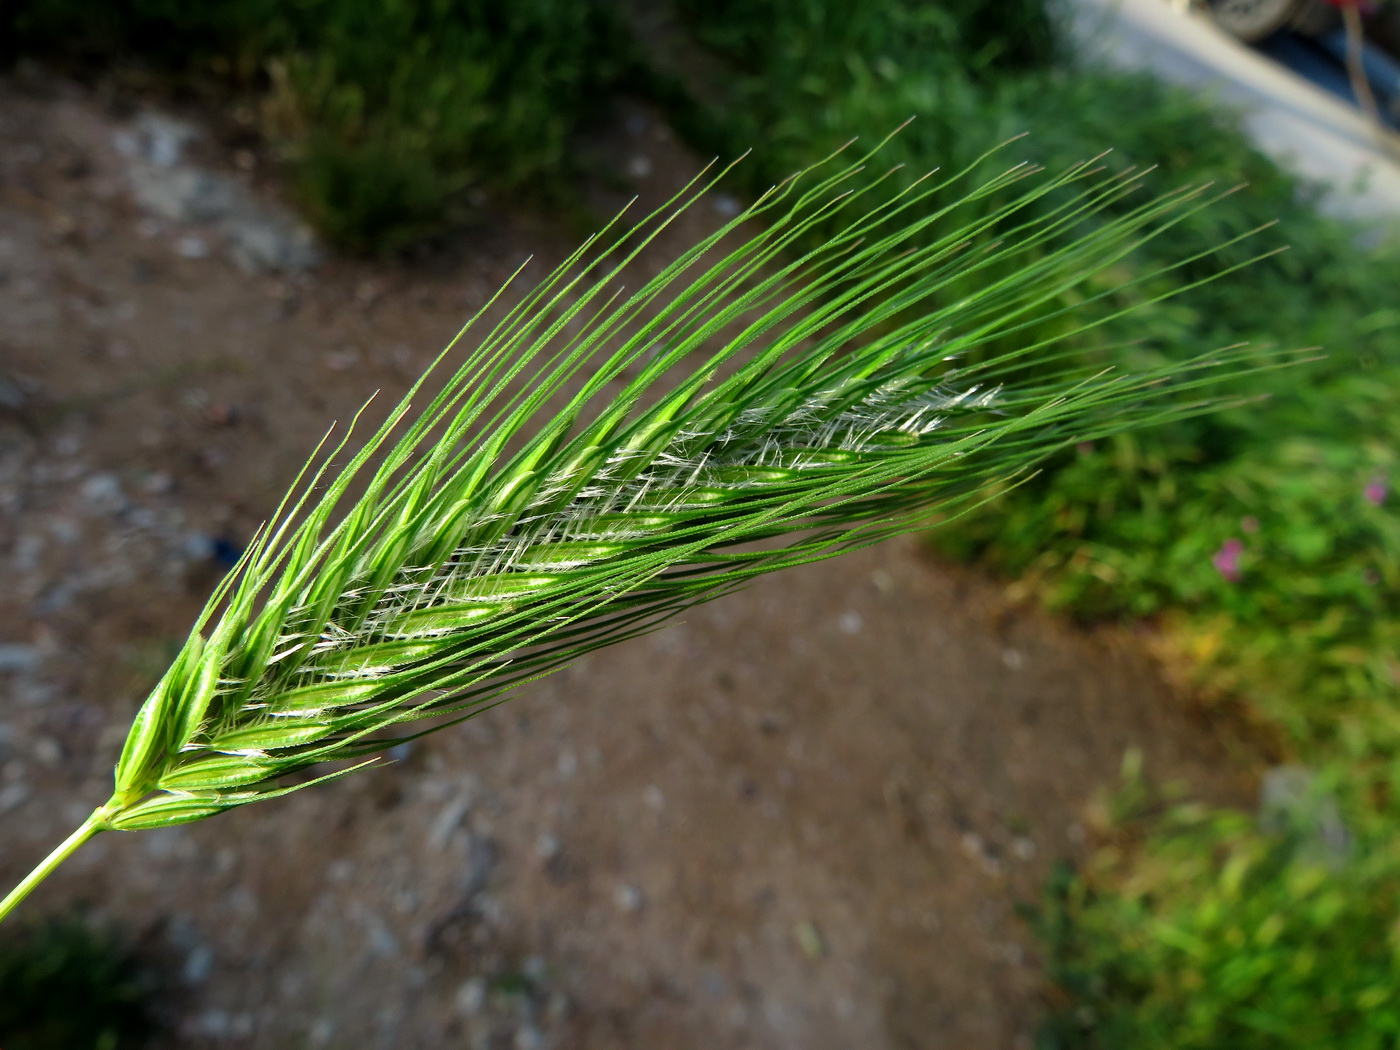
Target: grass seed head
point(758, 404)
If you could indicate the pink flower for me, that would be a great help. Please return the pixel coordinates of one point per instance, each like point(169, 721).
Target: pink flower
point(1227, 559)
point(1375, 490)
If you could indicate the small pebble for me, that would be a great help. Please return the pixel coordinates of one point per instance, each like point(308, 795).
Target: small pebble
point(102, 492)
point(567, 765)
point(340, 870)
point(12, 795)
point(547, 846)
point(18, 658)
point(198, 965)
point(214, 1023)
point(726, 205)
point(198, 547)
point(382, 941)
point(48, 751)
point(470, 997)
point(341, 360)
point(448, 820)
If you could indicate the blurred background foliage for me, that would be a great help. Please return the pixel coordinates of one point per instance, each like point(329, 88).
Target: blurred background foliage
point(1196, 929)
point(1261, 544)
point(67, 984)
point(388, 112)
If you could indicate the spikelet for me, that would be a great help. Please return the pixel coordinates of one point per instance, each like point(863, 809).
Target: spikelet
point(758, 404)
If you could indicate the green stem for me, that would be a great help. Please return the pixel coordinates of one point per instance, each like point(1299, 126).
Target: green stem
point(66, 849)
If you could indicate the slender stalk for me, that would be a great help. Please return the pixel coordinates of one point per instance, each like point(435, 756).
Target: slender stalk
point(66, 849)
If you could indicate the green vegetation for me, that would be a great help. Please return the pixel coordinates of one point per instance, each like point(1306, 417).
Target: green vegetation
point(390, 113)
point(66, 986)
point(1263, 542)
point(1132, 527)
point(1213, 934)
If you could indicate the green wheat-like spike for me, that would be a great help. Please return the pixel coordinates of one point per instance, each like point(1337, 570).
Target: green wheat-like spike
point(604, 459)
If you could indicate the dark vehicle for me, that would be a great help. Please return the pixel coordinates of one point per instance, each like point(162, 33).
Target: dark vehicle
point(1348, 48)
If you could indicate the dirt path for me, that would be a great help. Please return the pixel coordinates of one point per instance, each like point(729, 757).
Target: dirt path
point(802, 818)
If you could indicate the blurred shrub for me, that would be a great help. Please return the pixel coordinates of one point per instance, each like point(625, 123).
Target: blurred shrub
point(1303, 619)
point(1132, 528)
point(388, 111)
point(1215, 935)
point(1264, 541)
point(65, 985)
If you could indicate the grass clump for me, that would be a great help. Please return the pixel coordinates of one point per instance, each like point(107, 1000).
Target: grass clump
point(390, 115)
point(1200, 930)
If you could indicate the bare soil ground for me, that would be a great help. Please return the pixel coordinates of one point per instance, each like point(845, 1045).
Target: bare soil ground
point(802, 818)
